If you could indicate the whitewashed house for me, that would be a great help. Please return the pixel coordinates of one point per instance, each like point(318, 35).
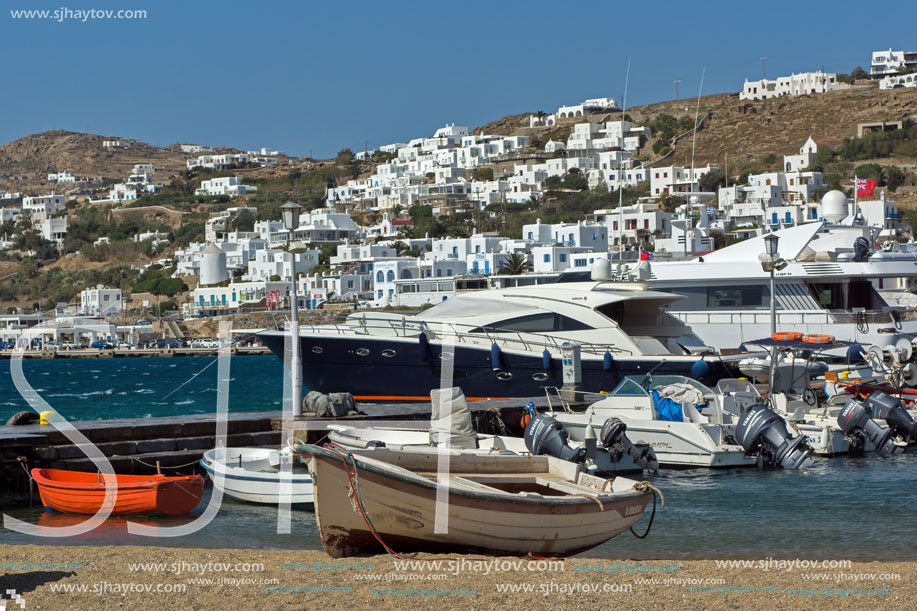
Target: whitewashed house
point(43, 206)
point(270, 263)
point(100, 301)
point(226, 185)
point(805, 83)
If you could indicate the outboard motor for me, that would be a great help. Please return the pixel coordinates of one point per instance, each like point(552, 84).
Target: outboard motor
point(545, 435)
point(617, 444)
point(762, 432)
point(886, 407)
point(854, 420)
point(860, 250)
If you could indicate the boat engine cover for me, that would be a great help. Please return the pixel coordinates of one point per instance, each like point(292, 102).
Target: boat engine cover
point(615, 440)
point(886, 407)
point(762, 432)
point(545, 435)
point(854, 420)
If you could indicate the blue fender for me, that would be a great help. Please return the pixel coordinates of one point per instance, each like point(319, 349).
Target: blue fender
point(495, 357)
point(546, 360)
point(700, 369)
point(424, 345)
point(606, 361)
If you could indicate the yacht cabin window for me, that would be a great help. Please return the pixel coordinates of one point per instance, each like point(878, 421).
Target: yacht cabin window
point(535, 323)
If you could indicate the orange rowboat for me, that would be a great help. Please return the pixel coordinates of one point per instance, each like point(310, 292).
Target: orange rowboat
point(79, 492)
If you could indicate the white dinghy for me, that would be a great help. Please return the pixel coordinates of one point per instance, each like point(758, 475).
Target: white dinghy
point(254, 474)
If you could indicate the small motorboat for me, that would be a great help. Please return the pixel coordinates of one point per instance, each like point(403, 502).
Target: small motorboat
point(83, 493)
point(254, 474)
point(497, 504)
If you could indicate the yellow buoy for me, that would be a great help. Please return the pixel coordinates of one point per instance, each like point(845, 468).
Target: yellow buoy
point(45, 417)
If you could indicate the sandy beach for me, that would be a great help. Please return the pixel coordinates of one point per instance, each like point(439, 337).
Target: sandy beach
point(133, 577)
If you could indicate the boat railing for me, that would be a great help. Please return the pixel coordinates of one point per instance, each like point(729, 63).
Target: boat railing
point(798, 317)
point(467, 334)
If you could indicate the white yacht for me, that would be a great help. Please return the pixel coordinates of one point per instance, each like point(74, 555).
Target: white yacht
point(507, 343)
point(826, 287)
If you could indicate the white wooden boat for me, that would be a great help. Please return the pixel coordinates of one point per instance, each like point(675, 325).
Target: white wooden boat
point(497, 504)
point(254, 474)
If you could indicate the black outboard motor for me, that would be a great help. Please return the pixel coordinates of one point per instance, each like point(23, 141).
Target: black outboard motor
point(854, 420)
point(886, 407)
point(545, 435)
point(762, 432)
point(860, 250)
point(617, 444)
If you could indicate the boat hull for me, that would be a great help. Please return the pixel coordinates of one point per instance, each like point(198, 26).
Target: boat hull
point(403, 516)
point(252, 483)
point(383, 369)
point(84, 493)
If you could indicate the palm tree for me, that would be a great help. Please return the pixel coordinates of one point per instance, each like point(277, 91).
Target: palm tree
point(401, 247)
point(517, 263)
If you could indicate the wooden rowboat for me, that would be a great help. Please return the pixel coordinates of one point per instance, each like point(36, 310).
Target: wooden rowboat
point(84, 493)
point(497, 504)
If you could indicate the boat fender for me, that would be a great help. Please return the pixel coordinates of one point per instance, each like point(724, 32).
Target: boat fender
point(529, 411)
point(24, 417)
point(855, 354)
point(606, 361)
point(546, 360)
point(424, 345)
point(700, 369)
point(495, 357)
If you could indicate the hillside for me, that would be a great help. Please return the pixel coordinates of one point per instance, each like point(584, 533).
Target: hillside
point(25, 163)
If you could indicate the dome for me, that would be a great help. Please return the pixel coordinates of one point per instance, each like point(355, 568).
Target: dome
point(834, 206)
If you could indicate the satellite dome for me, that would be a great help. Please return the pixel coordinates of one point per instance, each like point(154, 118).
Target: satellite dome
point(834, 206)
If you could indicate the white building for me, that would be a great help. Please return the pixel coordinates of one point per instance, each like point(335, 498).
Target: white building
point(546, 259)
point(805, 83)
point(100, 301)
point(218, 162)
point(889, 62)
point(43, 206)
point(226, 185)
point(898, 81)
point(194, 149)
point(9, 214)
point(118, 143)
point(221, 221)
point(642, 222)
point(320, 225)
point(270, 263)
point(64, 176)
point(676, 179)
point(54, 229)
point(581, 234)
point(588, 106)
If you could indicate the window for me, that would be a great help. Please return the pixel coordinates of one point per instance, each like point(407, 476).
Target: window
point(579, 263)
point(536, 323)
point(789, 217)
point(646, 223)
point(562, 257)
point(735, 296)
point(390, 276)
point(547, 258)
point(379, 294)
point(380, 277)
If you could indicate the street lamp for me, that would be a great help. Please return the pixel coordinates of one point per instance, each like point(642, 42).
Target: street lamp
point(770, 247)
point(290, 213)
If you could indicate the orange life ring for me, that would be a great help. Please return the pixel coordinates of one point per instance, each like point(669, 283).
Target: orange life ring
point(786, 336)
point(524, 421)
point(818, 339)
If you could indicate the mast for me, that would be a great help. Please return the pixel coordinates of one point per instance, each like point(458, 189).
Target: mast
point(620, 164)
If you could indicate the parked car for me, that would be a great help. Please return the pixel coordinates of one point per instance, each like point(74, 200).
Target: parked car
point(143, 323)
point(169, 342)
point(101, 345)
point(205, 342)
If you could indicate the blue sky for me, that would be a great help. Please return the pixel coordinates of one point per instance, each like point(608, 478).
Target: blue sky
point(320, 76)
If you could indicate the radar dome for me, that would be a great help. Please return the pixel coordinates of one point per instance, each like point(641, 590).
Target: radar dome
point(834, 206)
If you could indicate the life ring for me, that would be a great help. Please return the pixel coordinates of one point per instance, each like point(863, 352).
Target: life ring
point(786, 336)
point(524, 421)
point(818, 339)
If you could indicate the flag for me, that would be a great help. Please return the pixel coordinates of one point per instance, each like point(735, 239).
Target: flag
point(646, 255)
point(864, 187)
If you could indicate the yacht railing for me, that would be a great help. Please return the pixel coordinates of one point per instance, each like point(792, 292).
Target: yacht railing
point(791, 318)
point(467, 334)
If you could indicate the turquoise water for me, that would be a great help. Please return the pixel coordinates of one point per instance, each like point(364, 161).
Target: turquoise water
point(93, 389)
point(841, 508)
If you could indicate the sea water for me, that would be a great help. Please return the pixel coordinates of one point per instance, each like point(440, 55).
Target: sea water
point(143, 387)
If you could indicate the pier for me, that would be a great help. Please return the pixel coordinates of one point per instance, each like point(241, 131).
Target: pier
point(103, 353)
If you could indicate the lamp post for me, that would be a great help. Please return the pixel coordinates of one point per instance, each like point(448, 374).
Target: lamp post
point(770, 245)
point(290, 212)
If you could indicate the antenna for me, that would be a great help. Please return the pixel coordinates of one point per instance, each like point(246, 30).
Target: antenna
point(620, 163)
point(676, 81)
point(696, 111)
